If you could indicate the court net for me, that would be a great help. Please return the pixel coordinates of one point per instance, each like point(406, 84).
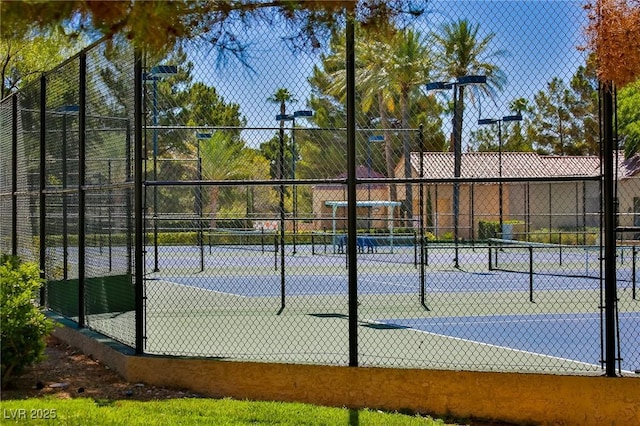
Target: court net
point(560, 259)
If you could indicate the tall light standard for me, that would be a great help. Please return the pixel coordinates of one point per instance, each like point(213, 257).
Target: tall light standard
point(372, 139)
point(294, 159)
point(65, 110)
point(198, 206)
point(153, 76)
point(457, 141)
point(499, 121)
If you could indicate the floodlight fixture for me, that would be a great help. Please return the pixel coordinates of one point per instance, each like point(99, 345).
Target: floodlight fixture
point(68, 108)
point(303, 113)
point(163, 70)
point(471, 79)
point(436, 85)
point(516, 117)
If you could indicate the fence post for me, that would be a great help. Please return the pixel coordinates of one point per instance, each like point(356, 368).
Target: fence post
point(138, 205)
point(82, 115)
point(352, 216)
point(42, 186)
point(14, 175)
point(610, 292)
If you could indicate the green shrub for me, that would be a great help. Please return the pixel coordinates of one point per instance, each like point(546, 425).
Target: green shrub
point(23, 326)
point(488, 229)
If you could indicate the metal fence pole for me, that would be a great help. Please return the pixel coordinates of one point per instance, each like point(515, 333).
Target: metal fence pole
point(282, 218)
point(42, 186)
point(352, 217)
point(610, 293)
point(14, 175)
point(82, 115)
point(138, 206)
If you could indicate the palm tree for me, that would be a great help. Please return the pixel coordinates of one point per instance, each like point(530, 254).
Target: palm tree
point(410, 64)
point(459, 53)
point(389, 72)
point(281, 97)
point(221, 160)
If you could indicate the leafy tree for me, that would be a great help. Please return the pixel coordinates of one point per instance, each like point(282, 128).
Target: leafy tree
point(222, 159)
point(584, 85)
point(390, 69)
point(514, 139)
point(566, 117)
point(24, 59)
point(552, 120)
point(159, 25)
point(629, 118)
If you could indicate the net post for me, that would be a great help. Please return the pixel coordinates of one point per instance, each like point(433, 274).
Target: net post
point(560, 244)
point(633, 272)
point(275, 251)
point(490, 259)
point(426, 255)
point(200, 242)
point(313, 243)
point(415, 249)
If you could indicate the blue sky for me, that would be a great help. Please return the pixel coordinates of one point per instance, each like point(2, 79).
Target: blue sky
point(540, 40)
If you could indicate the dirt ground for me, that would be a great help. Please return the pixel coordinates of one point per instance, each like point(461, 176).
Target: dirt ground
point(67, 373)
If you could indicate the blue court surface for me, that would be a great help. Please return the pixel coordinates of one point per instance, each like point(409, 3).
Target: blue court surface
point(567, 336)
point(377, 283)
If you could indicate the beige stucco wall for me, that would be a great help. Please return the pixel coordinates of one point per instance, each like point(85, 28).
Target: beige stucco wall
point(628, 190)
point(572, 204)
point(519, 398)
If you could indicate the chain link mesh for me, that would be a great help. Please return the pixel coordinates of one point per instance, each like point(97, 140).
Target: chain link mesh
point(478, 202)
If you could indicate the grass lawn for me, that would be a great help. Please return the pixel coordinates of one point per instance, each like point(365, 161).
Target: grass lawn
point(54, 411)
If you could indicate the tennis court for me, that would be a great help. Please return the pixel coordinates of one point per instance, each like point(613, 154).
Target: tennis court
point(548, 334)
point(472, 316)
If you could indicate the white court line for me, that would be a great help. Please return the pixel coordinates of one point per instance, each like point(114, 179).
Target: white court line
point(508, 348)
point(515, 321)
point(490, 345)
point(202, 288)
point(389, 283)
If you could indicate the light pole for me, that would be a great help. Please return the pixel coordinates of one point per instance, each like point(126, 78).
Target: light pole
point(499, 121)
point(457, 142)
point(156, 73)
point(198, 206)
point(372, 139)
point(294, 155)
point(65, 111)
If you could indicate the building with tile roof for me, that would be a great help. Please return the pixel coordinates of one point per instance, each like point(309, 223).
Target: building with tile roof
point(538, 191)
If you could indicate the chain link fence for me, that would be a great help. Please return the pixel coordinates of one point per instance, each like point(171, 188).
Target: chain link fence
point(477, 242)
